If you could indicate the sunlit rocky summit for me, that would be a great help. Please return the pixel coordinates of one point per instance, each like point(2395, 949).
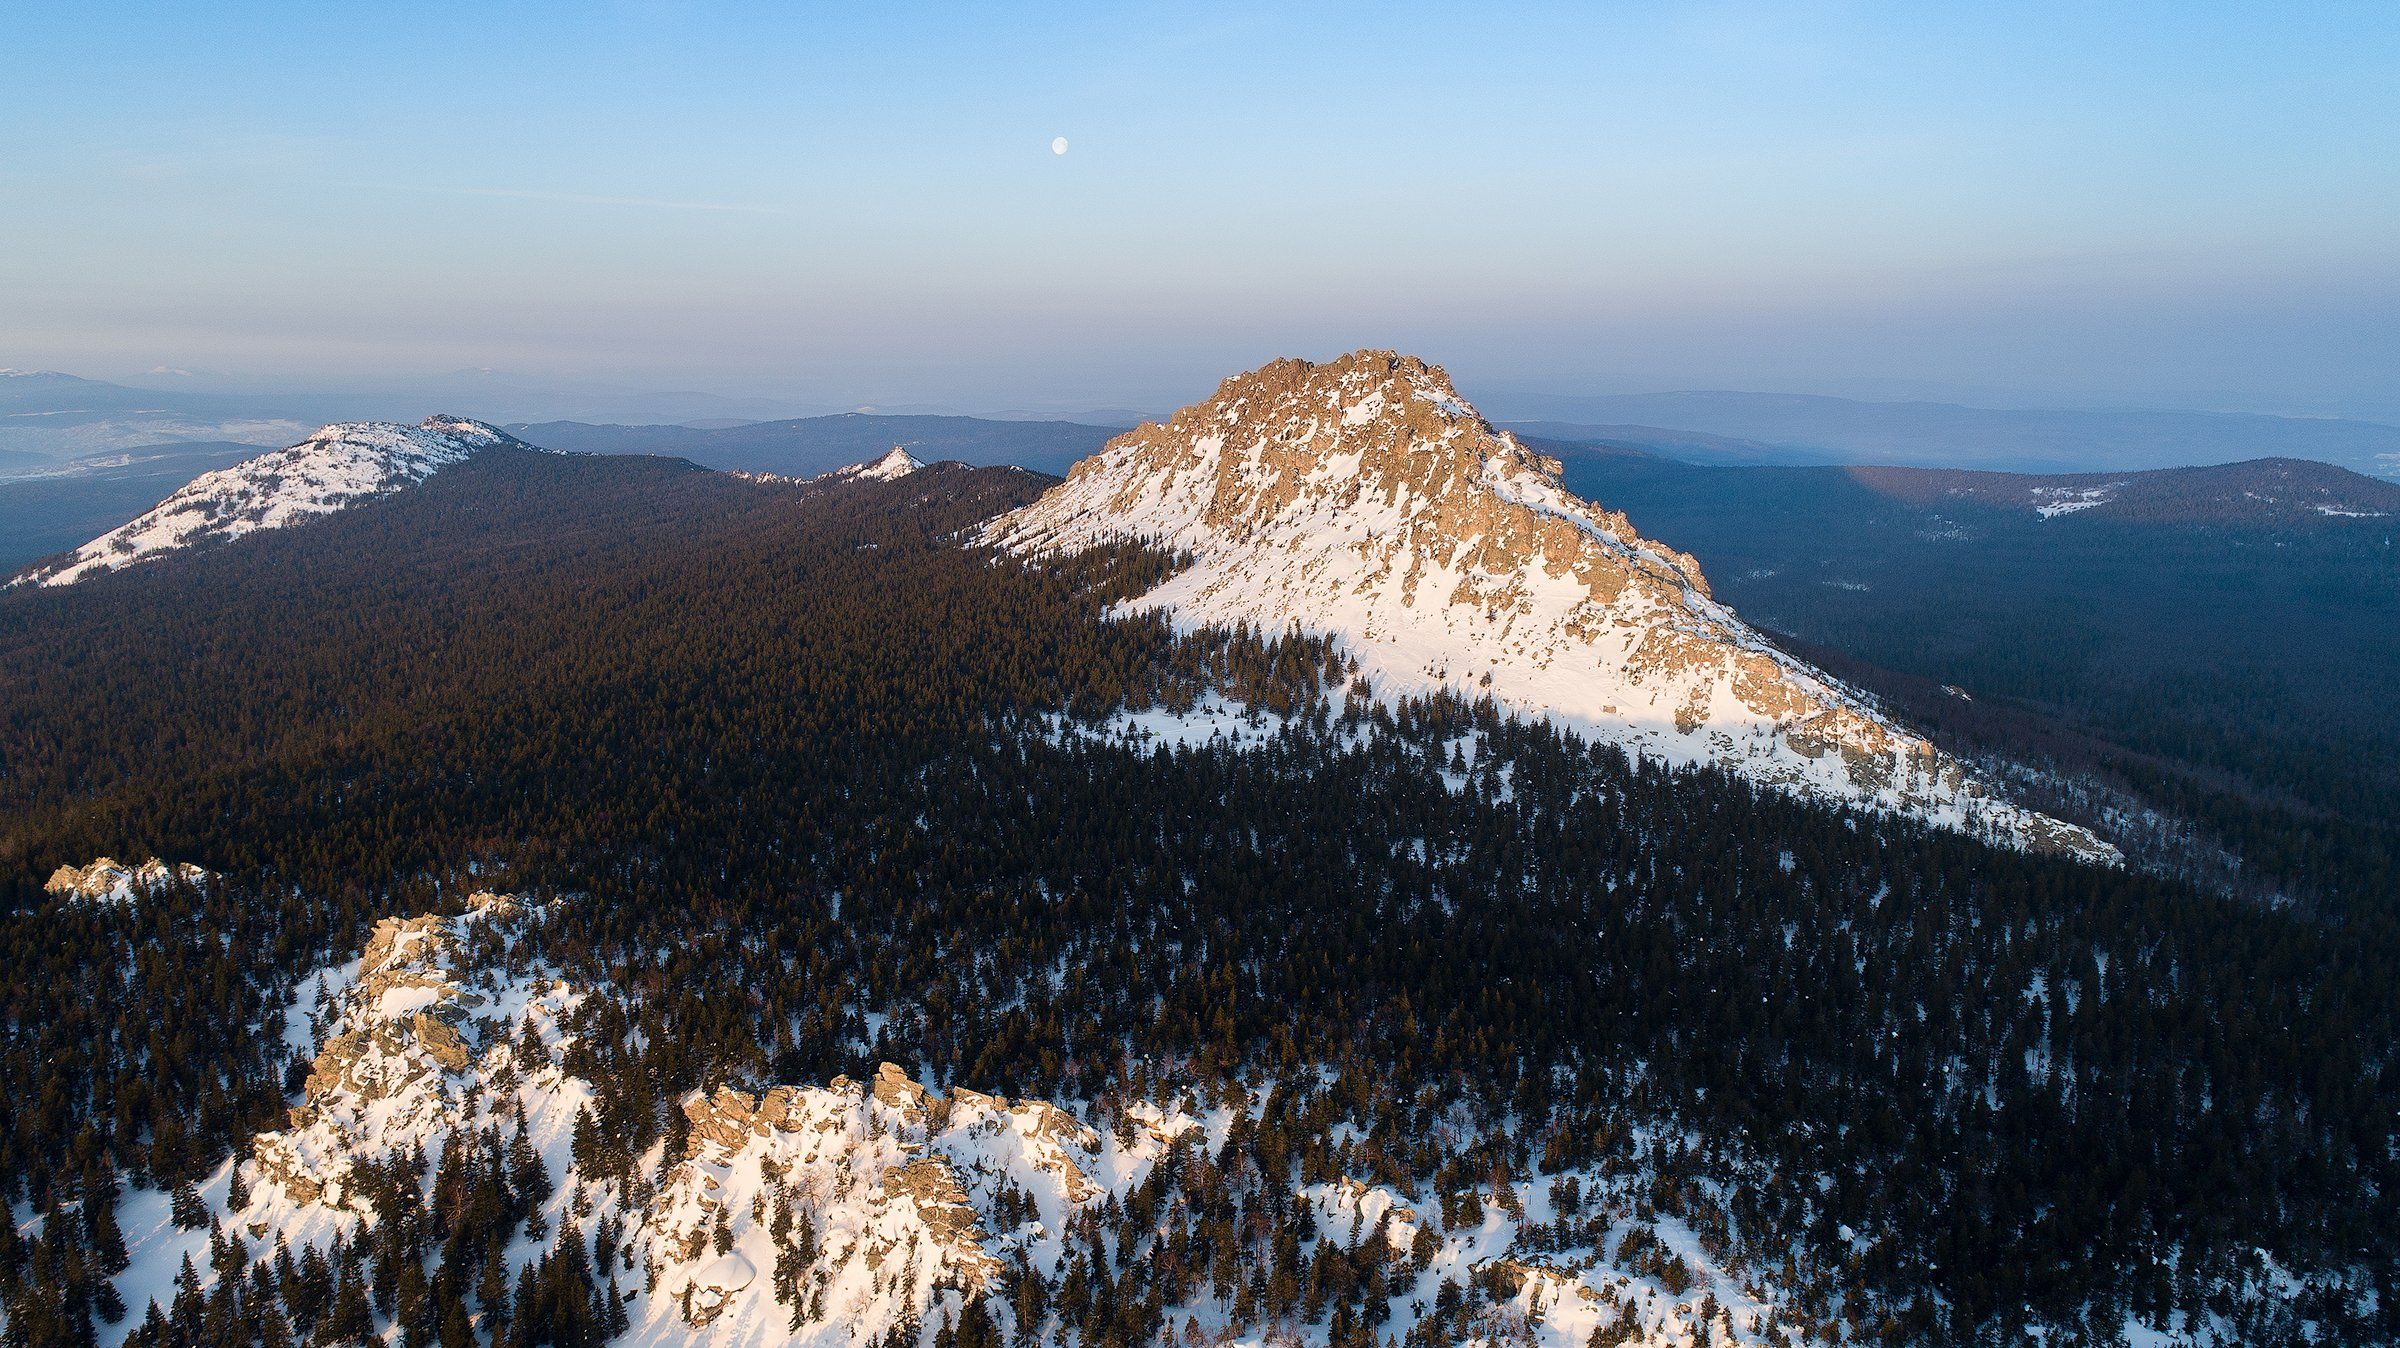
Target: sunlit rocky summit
point(1364, 499)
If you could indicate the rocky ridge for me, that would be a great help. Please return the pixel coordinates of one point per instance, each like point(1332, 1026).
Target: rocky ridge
point(1363, 498)
point(896, 464)
point(837, 1214)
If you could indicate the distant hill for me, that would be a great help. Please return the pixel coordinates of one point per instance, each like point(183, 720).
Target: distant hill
point(810, 445)
point(2284, 492)
point(2228, 616)
point(1799, 429)
point(1567, 439)
point(1831, 501)
point(50, 420)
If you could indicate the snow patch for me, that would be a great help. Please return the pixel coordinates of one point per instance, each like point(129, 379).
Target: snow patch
point(2051, 502)
point(1213, 720)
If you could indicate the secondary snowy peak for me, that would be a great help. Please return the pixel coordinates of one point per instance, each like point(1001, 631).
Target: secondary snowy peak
point(1362, 498)
point(896, 464)
point(339, 465)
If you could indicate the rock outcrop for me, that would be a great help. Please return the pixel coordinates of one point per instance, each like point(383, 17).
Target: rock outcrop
point(107, 881)
point(821, 1215)
point(402, 1059)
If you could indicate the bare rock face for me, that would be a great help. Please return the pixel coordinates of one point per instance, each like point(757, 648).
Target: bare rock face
point(409, 1018)
point(1363, 499)
point(885, 1199)
point(894, 1089)
point(441, 1040)
point(1053, 1139)
point(723, 1118)
point(401, 1054)
point(929, 1184)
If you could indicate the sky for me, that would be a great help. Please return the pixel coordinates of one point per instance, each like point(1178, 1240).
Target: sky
point(2191, 204)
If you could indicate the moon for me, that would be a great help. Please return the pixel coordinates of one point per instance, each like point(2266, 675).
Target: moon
point(1059, 145)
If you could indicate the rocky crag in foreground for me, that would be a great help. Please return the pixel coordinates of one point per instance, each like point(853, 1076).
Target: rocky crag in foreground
point(446, 1179)
point(1365, 500)
point(338, 466)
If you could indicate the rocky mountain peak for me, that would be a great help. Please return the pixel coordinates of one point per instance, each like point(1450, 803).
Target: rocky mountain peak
point(1362, 498)
point(1370, 434)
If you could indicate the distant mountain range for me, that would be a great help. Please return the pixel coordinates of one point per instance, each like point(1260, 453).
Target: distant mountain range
point(811, 445)
point(50, 421)
point(2261, 493)
point(47, 417)
point(79, 457)
point(1726, 428)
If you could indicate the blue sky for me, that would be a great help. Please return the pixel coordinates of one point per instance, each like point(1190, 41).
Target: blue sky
point(2191, 203)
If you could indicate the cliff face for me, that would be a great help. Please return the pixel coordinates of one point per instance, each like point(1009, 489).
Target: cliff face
point(1364, 499)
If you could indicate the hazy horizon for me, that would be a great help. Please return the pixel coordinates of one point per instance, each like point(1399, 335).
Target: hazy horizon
point(2176, 207)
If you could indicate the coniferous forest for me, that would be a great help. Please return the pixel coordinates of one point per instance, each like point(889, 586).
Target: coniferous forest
point(802, 768)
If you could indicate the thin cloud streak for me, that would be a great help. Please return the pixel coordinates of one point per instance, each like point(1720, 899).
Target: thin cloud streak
point(580, 199)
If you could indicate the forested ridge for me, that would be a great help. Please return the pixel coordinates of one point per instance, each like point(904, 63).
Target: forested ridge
point(793, 752)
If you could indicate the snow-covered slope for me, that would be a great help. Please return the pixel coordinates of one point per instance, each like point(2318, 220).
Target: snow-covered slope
point(835, 1214)
point(340, 464)
point(1363, 498)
